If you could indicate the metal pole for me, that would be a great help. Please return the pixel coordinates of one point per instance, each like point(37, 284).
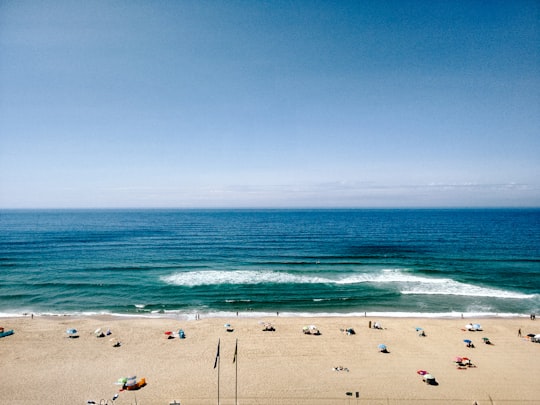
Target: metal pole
point(236, 361)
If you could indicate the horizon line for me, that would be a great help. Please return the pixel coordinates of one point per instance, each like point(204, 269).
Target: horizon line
point(269, 208)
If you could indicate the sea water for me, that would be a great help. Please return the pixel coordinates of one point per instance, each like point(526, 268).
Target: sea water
point(425, 262)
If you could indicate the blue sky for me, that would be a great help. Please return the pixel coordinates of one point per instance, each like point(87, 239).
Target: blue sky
point(269, 103)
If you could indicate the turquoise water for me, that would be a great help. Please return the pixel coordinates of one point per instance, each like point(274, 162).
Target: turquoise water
point(297, 262)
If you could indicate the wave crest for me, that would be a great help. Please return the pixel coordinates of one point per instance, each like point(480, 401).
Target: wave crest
point(215, 277)
point(403, 281)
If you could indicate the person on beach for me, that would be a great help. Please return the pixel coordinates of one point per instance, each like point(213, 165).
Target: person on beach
point(519, 332)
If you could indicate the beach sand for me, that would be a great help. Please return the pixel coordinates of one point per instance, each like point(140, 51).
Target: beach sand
point(41, 365)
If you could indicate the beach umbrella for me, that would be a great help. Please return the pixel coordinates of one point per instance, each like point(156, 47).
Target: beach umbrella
point(458, 359)
point(467, 341)
point(168, 333)
point(477, 326)
point(421, 372)
point(382, 347)
point(419, 329)
point(227, 325)
point(131, 381)
point(71, 331)
point(97, 331)
point(121, 381)
point(428, 377)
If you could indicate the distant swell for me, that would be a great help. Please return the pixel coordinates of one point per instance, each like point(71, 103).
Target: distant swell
point(405, 283)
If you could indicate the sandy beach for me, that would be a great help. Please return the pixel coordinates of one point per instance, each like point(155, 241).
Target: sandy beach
point(42, 365)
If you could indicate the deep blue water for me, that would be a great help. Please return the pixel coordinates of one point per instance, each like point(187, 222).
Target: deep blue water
point(182, 262)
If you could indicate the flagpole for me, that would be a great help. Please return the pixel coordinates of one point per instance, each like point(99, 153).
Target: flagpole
point(217, 363)
point(236, 361)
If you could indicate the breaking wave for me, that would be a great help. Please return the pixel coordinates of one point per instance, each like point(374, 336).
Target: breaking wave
point(402, 281)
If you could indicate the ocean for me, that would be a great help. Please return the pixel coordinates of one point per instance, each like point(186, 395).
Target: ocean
point(184, 263)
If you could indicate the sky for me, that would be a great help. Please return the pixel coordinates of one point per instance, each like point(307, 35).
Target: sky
point(269, 104)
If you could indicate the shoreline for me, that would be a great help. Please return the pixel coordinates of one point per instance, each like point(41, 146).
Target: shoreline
point(187, 316)
point(282, 367)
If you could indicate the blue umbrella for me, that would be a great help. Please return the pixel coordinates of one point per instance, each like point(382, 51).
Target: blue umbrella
point(382, 347)
point(467, 341)
point(71, 331)
point(419, 329)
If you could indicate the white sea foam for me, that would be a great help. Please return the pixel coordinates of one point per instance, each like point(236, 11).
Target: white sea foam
point(181, 315)
point(403, 281)
point(199, 278)
point(17, 314)
point(412, 284)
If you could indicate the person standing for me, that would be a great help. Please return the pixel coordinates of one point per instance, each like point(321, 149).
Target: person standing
point(519, 332)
